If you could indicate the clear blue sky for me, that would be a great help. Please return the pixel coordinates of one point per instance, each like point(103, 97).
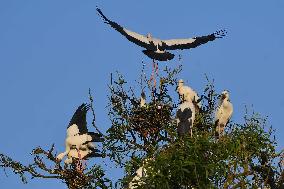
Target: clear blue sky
point(51, 52)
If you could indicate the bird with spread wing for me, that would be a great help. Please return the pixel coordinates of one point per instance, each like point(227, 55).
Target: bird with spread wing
point(157, 49)
point(79, 142)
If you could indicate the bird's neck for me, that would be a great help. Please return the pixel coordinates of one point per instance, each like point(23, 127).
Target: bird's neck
point(226, 102)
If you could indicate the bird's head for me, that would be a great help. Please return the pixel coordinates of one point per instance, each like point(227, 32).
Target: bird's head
point(149, 36)
point(180, 83)
point(143, 95)
point(225, 95)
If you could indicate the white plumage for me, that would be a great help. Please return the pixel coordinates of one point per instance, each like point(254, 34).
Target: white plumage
point(224, 112)
point(142, 100)
point(141, 172)
point(186, 93)
point(157, 48)
point(79, 140)
point(86, 151)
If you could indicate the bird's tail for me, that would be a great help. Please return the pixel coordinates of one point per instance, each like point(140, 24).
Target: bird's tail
point(220, 33)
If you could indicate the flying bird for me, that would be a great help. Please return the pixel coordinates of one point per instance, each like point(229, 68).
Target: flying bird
point(224, 112)
point(187, 94)
point(78, 138)
point(185, 117)
point(157, 49)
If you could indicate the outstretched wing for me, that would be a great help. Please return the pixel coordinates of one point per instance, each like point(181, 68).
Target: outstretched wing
point(134, 37)
point(79, 118)
point(174, 44)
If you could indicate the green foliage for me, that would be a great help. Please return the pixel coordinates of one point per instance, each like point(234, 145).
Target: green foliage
point(245, 157)
point(137, 130)
point(46, 166)
point(146, 136)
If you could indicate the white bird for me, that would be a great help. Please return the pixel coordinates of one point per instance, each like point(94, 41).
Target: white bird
point(78, 138)
point(140, 172)
point(185, 117)
point(155, 48)
point(142, 99)
point(186, 93)
point(224, 112)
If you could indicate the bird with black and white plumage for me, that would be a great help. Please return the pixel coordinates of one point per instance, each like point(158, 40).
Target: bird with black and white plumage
point(85, 153)
point(157, 49)
point(186, 93)
point(185, 117)
point(78, 138)
point(224, 112)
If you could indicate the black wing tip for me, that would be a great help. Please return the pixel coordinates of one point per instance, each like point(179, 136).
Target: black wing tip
point(99, 10)
point(84, 107)
point(220, 33)
point(81, 111)
point(100, 13)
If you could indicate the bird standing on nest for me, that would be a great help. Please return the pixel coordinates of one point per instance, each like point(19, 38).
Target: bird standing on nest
point(224, 112)
point(79, 139)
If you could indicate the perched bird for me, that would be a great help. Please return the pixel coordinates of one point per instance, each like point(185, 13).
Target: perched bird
point(142, 99)
point(224, 112)
point(187, 94)
point(78, 138)
point(140, 172)
point(185, 117)
point(155, 48)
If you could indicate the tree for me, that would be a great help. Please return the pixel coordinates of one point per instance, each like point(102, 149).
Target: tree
point(245, 157)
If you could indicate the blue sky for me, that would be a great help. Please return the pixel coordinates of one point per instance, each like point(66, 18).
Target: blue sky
point(51, 52)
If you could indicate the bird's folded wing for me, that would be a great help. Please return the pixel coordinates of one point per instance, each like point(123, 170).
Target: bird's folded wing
point(134, 37)
point(188, 43)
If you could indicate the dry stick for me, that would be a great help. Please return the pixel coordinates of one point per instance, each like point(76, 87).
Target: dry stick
point(93, 112)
